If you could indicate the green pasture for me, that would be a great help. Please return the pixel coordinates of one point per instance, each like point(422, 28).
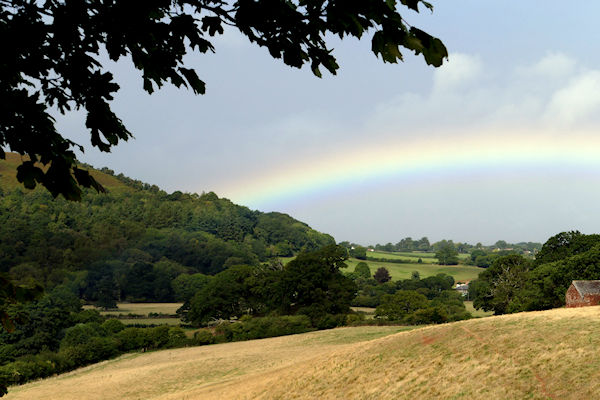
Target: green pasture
point(124, 310)
point(477, 313)
point(151, 321)
point(409, 255)
point(400, 255)
point(404, 271)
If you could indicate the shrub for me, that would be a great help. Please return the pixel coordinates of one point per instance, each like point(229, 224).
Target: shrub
point(112, 326)
point(365, 301)
point(354, 319)
point(399, 305)
point(263, 327)
point(429, 315)
point(382, 275)
point(158, 337)
point(86, 316)
point(81, 334)
point(96, 349)
point(177, 338)
point(132, 339)
point(362, 270)
point(329, 321)
point(203, 336)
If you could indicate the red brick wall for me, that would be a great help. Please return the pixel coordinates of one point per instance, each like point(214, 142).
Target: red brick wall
point(573, 299)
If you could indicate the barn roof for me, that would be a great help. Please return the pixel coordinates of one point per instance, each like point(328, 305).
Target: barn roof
point(587, 287)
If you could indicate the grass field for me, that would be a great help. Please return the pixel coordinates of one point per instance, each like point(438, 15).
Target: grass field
point(8, 175)
point(413, 255)
point(426, 257)
point(539, 355)
point(404, 271)
point(151, 321)
point(477, 313)
point(144, 309)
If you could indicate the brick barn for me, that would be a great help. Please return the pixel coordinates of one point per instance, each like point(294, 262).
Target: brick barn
point(583, 294)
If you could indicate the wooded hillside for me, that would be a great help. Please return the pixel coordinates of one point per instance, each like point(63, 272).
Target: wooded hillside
point(133, 241)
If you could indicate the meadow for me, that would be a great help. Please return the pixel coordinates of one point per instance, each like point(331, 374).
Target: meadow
point(403, 271)
point(476, 313)
point(460, 272)
point(411, 255)
point(142, 308)
point(163, 313)
point(527, 355)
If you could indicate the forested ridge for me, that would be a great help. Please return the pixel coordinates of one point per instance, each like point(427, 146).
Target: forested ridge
point(133, 241)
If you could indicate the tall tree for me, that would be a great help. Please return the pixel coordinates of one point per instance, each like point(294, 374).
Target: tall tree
point(446, 253)
point(382, 275)
point(51, 58)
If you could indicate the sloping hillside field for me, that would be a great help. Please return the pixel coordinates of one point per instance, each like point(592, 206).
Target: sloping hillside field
point(540, 355)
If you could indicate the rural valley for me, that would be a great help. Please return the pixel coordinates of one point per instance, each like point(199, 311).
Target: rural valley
point(299, 199)
point(151, 298)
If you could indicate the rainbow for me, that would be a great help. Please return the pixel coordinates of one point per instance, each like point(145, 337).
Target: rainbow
point(422, 158)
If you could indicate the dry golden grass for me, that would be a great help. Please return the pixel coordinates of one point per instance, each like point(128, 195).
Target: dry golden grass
point(8, 175)
point(540, 355)
point(142, 308)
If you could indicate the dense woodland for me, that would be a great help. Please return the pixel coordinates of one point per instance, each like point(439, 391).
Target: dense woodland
point(513, 283)
point(132, 242)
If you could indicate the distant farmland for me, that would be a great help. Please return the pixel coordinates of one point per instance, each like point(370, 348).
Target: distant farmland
point(403, 271)
point(538, 355)
point(460, 272)
point(144, 313)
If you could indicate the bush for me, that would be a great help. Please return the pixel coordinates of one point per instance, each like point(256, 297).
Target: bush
point(429, 315)
point(354, 319)
point(329, 321)
point(362, 270)
point(96, 349)
point(158, 337)
point(112, 326)
point(132, 339)
point(382, 275)
point(81, 334)
point(177, 338)
point(365, 301)
point(86, 316)
point(203, 336)
point(263, 327)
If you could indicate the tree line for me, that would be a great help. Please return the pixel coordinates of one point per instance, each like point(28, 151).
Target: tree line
point(513, 283)
point(132, 243)
point(423, 245)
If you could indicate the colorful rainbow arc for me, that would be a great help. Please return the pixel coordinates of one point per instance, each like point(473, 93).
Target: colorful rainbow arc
point(458, 154)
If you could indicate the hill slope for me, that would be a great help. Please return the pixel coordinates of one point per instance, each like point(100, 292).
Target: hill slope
point(135, 229)
point(538, 355)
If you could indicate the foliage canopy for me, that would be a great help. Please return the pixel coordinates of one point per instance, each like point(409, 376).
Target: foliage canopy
point(52, 58)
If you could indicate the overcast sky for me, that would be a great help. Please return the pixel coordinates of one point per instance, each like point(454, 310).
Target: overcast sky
point(380, 152)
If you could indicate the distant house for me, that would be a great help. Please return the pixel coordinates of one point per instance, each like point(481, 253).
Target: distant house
point(462, 288)
point(583, 294)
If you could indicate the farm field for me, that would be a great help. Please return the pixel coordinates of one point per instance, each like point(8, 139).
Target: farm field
point(179, 373)
point(142, 308)
point(476, 313)
point(413, 255)
point(124, 309)
point(150, 321)
point(527, 355)
point(404, 271)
